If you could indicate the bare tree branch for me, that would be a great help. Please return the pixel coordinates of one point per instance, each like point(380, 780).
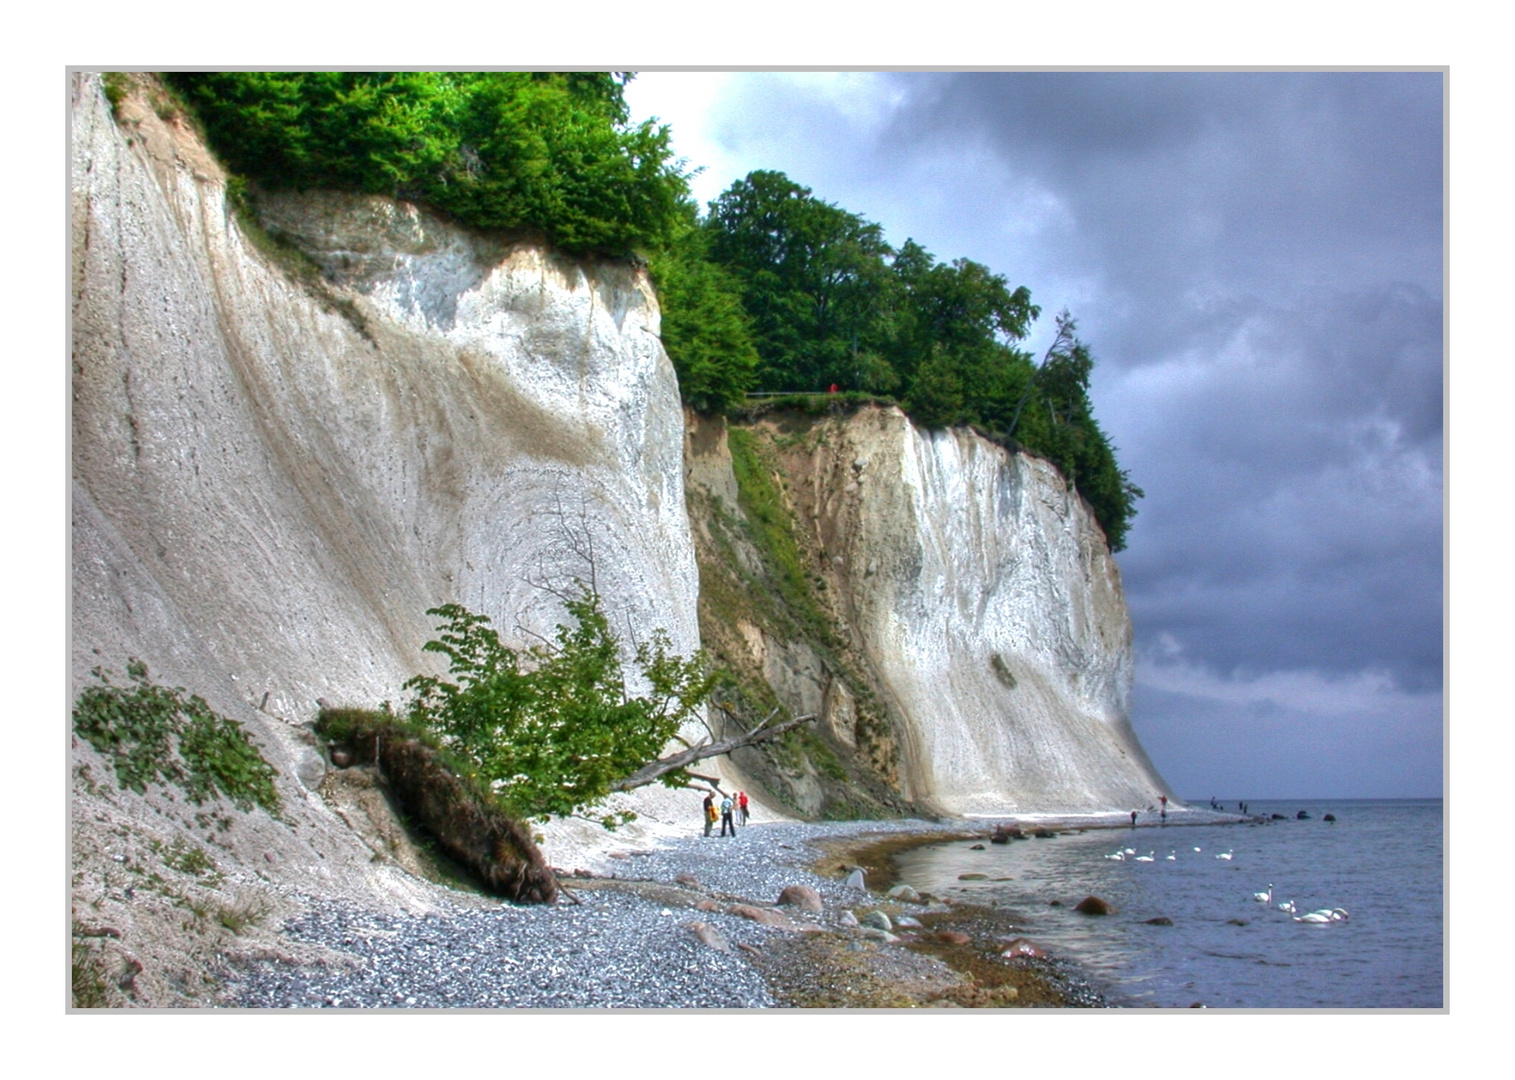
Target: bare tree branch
point(662, 766)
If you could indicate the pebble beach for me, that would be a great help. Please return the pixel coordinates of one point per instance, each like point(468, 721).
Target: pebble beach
point(672, 927)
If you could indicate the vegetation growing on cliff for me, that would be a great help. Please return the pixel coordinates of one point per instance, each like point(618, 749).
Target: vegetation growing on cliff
point(833, 305)
point(157, 735)
point(541, 151)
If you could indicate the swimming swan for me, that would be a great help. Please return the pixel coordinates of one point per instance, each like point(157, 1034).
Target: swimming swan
point(1224, 855)
point(1264, 897)
point(1287, 907)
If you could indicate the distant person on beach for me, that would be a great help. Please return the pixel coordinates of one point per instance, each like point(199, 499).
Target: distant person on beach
point(709, 811)
point(1133, 819)
point(1164, 800)
point(741, 801)
point(726, 822)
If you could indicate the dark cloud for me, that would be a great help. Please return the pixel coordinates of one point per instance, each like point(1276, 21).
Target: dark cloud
point(1256, 260)
point(1265, 250)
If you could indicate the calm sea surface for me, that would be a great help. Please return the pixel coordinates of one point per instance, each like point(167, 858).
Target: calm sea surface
point(1380, 860)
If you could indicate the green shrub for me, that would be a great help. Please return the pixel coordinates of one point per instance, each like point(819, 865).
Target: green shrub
point(153, 734)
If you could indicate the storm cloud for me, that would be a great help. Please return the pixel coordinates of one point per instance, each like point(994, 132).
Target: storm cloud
point(1256, 260)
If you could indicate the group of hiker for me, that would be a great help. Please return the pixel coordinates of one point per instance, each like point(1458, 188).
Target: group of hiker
point(728, 810)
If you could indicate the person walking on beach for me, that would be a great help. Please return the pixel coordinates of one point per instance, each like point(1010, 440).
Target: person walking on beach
point(726, 822)
point(741, 802)
point(1164, 800)
point(1133, 819)
point(709, 811)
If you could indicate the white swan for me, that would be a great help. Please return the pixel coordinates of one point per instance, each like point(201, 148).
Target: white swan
point(1224, 855)
point(1119, 856)
point(1144, 858)
point(1196, 850)
point(1287, 907)
point(1264, 897)
point(1330, 915)
point(1172, 856)
point(1315, 917)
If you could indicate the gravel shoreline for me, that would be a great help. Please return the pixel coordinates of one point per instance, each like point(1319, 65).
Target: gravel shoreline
point(621, 946)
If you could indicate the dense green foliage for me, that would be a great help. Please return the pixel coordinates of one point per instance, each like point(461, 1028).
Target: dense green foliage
point(154, 734)
point(551, 728)
point(543, 151)
point(706, 328)
point(833, 305)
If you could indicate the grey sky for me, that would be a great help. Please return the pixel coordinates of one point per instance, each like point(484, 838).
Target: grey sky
point(1256, 259)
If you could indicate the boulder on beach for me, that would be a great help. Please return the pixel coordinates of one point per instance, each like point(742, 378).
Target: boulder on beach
point(1093, 905)
point(878, 920)
point(905, 893)
point(709, 936)
point(952, 937)
point(855, 879)
point(766, 916)
point(801, 896)
point(1021, 947)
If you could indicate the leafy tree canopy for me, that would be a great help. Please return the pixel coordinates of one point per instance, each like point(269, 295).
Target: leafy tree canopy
point(832, 304)
point(551, 728)
point(548, 151)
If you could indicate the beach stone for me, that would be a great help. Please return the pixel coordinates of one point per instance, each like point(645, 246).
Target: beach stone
point(952, 937)
point(801, 896)
point(1021, 947)
point(878, 920)
point(905, 893)
point(707, 905)
point(766, 916)
point(973, 877)
point(873, 933)
point(907, 922)
point(1093, 905)
point(689, 881)
point(1236, 922)
point(846, 918)
point(978, 847)
point(709, 936)
point(855, 880)
point(1161, 920)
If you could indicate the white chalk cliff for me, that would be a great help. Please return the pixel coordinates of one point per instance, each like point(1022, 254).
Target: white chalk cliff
point(274, 479)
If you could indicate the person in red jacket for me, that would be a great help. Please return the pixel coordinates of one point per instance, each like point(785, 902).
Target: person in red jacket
point(741, 802)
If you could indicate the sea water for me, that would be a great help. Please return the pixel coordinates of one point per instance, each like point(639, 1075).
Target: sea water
point(1380, 861)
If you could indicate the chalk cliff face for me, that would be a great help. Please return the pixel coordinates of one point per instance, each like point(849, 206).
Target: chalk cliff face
point(276, 473)
point(973, 594)
point(279, 466)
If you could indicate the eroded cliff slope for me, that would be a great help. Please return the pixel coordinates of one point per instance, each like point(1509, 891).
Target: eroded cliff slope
point(967, 644)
